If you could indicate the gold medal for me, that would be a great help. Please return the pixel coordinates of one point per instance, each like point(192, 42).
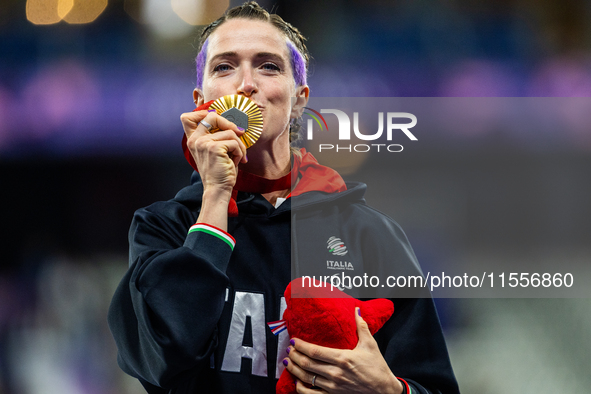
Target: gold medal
point(244, 113)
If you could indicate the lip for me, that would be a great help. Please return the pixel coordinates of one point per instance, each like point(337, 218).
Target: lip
point(261, 107)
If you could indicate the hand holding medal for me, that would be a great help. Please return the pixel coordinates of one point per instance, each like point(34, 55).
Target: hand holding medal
point(239, 110)
point(215, 145)
point(244, 113)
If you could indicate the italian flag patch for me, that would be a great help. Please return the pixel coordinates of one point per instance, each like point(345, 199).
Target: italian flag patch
point(216, 232)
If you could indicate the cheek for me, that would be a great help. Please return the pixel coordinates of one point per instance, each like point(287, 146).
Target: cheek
point(210, 92)
point(214, 88)
point(281, 96)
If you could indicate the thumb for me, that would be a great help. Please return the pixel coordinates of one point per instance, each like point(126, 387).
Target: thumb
point(362, 328)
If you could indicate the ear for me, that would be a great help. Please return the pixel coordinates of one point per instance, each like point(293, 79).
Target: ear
point(300, 101)
point(198, 97)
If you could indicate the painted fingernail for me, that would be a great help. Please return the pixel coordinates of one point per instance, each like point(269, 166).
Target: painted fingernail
point(240, 128)
point(293, 340)
point(285, 362)
point(246, 157)
point(288, 350)
point(211, 110)
point(358, 311)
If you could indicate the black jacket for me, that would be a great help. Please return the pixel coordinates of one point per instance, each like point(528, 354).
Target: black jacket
point(190, 314)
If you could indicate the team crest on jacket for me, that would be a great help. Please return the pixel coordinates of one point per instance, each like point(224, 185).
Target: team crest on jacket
point(336, 246)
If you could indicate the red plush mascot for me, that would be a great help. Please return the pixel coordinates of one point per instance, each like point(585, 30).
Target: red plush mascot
point(322, 315)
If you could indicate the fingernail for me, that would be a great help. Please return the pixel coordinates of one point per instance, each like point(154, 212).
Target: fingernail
point(295, 382)
point(246, 157)
point(288, 350)
point(293, 340)
point(240, 128)
point(358, 311)
point(285, 362)
point(211, 110)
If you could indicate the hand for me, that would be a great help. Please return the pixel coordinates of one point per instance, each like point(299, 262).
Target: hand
point(217, 154)
point(361, 370)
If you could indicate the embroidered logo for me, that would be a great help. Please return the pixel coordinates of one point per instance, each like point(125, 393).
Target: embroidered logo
point(336, 246)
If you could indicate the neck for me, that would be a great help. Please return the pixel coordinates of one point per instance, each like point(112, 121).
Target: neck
point(270, 162)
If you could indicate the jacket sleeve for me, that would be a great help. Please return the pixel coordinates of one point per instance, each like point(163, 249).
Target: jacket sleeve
point(412, 340)
point(413, 345)
point(164, 313)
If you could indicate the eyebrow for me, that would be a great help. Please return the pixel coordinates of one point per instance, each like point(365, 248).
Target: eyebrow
point(260, 55)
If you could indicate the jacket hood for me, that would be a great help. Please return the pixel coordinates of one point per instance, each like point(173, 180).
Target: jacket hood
point(314, 184)
point(354, 193)
point(308, 175)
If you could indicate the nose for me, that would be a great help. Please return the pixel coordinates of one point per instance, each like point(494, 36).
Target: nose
point(248, 84)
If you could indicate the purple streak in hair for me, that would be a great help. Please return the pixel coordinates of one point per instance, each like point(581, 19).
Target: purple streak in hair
point(200, 63)
point(298, 64)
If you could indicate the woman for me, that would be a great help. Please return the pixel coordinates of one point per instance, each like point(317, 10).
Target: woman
point(190, 314)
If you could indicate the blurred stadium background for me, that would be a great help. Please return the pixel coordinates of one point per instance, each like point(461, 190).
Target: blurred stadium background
point(90, 97)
